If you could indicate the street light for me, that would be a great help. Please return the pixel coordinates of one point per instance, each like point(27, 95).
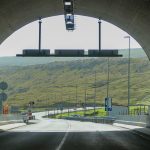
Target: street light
point(68, 106)
point(85, 97)
point(129, 60)
point(76, 96)
point(95, 95)
point(108, 70)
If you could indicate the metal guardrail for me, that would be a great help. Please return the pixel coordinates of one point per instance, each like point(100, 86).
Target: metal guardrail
point(105, 120)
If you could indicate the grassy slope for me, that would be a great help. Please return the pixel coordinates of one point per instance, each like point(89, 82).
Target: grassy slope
point(98, 113)
point(56, 82)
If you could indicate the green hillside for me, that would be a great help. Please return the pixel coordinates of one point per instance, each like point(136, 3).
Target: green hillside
point(135, 53)
point(58, 82)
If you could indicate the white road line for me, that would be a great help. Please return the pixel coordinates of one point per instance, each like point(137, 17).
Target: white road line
point(64, 138)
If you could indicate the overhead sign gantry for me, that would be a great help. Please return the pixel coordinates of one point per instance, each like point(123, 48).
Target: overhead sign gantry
point(69, 53)
point(69, 18)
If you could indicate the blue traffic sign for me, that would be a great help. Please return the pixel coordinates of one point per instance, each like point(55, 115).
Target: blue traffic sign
point(108, 104)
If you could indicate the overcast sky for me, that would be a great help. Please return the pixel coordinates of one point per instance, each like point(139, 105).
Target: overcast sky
point(55, 36)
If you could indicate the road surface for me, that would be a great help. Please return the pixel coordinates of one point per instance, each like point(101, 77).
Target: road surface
point(48, 134)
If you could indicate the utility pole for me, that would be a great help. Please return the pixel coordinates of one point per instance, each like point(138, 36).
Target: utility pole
point(76, 96)
point(61, 99)
point(68, 106)
point(56, 105)
point(108, 69)
point(95, 94)
point(129, 62)
point(85, 102)
point(48, 107)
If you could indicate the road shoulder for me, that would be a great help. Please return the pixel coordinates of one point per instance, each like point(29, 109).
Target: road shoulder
point(141, 131)
point(7, 127)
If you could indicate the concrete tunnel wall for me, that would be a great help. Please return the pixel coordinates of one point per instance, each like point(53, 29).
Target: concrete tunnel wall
point(133, 16)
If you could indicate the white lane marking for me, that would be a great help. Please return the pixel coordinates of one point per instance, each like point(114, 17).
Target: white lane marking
point(64, 138)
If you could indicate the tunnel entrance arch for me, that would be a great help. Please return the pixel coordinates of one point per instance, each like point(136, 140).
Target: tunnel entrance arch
point(130, 15)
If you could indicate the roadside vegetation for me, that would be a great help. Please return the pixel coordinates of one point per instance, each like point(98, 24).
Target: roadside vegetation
point(83, 113)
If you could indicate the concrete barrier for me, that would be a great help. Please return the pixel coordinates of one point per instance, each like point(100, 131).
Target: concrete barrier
point(134, 118)
point(10, 118)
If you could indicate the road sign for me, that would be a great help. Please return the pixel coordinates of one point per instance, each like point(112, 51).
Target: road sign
point(3, 96)
point(3, 85)
point(108, 104)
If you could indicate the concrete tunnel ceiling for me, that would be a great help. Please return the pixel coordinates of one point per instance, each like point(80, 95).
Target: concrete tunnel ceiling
point(132, 16)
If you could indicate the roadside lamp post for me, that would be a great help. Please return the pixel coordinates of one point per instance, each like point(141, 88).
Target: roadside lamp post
point(108, 80)
point(95, 96)
point(85, 101)
point(129, 61)
point(68, 106)
point(76, 96)
point(108, 70)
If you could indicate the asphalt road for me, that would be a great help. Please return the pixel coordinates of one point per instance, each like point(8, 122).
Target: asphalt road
point(47, 134)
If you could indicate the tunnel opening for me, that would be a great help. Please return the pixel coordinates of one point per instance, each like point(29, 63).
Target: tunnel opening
point(101, 83)
point(126, 15)
point(130, 16)
point(71, 83)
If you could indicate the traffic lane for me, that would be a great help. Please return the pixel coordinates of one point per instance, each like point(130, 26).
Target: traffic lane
point(105, 140)
point(45, 125)
point(40, 136)
point(70, 135)
point(31, 140)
